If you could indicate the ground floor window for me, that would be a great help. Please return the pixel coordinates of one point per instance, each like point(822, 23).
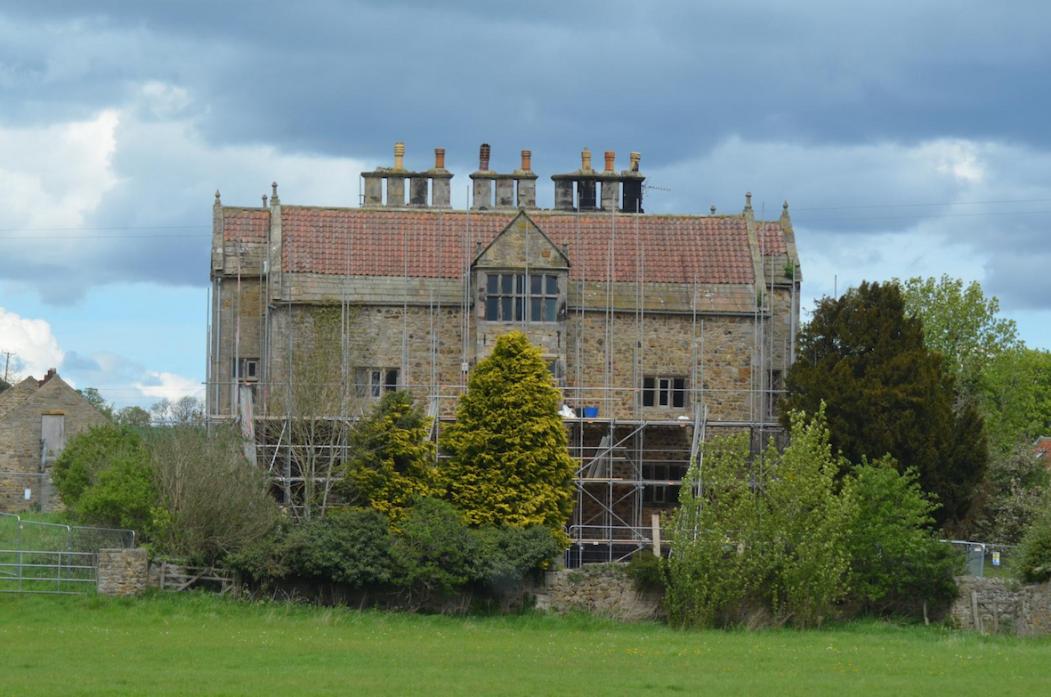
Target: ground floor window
point(247, 369)
point(664, 391)
point(374, 382)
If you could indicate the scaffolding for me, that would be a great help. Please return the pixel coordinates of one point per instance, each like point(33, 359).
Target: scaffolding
point(629, 464)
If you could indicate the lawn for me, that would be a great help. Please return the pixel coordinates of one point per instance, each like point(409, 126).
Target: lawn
point(201, 645)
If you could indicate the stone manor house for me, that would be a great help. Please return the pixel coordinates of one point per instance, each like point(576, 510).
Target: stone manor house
point(659, 329)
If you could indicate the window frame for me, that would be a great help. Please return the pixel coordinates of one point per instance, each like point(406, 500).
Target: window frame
point(508, 296)
point(665, 391)
point(372, 382)
point(243, 375)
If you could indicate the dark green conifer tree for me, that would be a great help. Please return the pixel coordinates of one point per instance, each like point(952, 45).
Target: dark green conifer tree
point(886, 393)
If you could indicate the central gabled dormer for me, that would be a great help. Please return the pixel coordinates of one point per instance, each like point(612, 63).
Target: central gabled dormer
point(521, 280)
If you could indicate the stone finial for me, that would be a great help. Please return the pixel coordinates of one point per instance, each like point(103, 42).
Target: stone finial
point(712, 209)
point(399, 155)
point(439, 158)
point(264, 200)
point(274, 200)
point(611, 158)
point(784, 206)
point(218, 201)
point(748, 201)
point(634, 158)
point(527, 161)
point(585, 160)
point(483, 158)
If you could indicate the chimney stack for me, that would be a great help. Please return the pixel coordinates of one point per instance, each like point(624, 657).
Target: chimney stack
point(482, 189)
point(632, 185)
point(526, 181)
point(610, 192)
point(435, 181)
point(513, 188)
point(441, 180)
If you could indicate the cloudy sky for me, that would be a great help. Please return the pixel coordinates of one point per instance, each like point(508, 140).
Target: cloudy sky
point(910, 138)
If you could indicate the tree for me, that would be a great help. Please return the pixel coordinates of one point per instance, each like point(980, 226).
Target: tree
point(95, 399)
point(960, 323)
point(1015, 485)
point(104, 478)
point(760, 534)
point(391, 457)
point(1015, 397)
point(136, 417)
point(887, 393)
point(212, 501)
point(897, 564)
point(185, 411)
point(509, 462)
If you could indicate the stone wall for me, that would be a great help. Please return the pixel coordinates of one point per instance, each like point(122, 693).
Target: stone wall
point(122, 572)
point(995, 605)
point(598, 589)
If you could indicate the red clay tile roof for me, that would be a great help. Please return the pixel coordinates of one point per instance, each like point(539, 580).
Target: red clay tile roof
point(245, 225)
point(435, 244)
point(771, 238)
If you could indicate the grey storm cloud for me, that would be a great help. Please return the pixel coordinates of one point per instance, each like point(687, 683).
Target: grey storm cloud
point(822, 103)
point(665, 78)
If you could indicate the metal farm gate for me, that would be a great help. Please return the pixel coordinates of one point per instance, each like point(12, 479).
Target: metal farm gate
point(51, 558)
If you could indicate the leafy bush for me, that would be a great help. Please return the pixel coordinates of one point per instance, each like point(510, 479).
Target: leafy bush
point(897, 565)
point(350, 547)
point(644, 569)
point(1034, 553)
point(433, 550)
point(213, 500)
point(104, 478)
point(505, 556)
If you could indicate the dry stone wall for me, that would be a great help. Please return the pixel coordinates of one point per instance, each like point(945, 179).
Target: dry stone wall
point(996, 605)
point(598, 589)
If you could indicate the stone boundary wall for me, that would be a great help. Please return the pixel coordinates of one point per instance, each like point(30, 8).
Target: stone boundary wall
point(996, 605)
point(605, 590)
point(121, 572)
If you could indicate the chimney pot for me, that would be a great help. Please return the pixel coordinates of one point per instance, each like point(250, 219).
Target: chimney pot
point(483, 158)
point(610, 159)
point(585, 160)
point(634, 157)
point(527, 160)
point(712, 209)
point(748, 200)
point(399, 155)
point(264, 200)
point(439, 158)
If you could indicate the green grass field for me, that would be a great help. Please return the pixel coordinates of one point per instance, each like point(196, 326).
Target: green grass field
point(199, 645)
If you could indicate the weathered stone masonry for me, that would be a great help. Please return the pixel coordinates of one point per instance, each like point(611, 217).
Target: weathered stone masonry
point(628, 302)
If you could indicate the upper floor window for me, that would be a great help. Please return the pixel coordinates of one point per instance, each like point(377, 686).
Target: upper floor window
point(374, 382)
point(664, 391)
point(508, 298)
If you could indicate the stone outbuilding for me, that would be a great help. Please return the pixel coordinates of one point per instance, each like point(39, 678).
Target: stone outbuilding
point(37, 418)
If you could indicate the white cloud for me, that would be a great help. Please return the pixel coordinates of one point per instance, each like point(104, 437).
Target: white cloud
point(170, 386)
point(33, 347)
point(127, 194)
point(56, 175)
